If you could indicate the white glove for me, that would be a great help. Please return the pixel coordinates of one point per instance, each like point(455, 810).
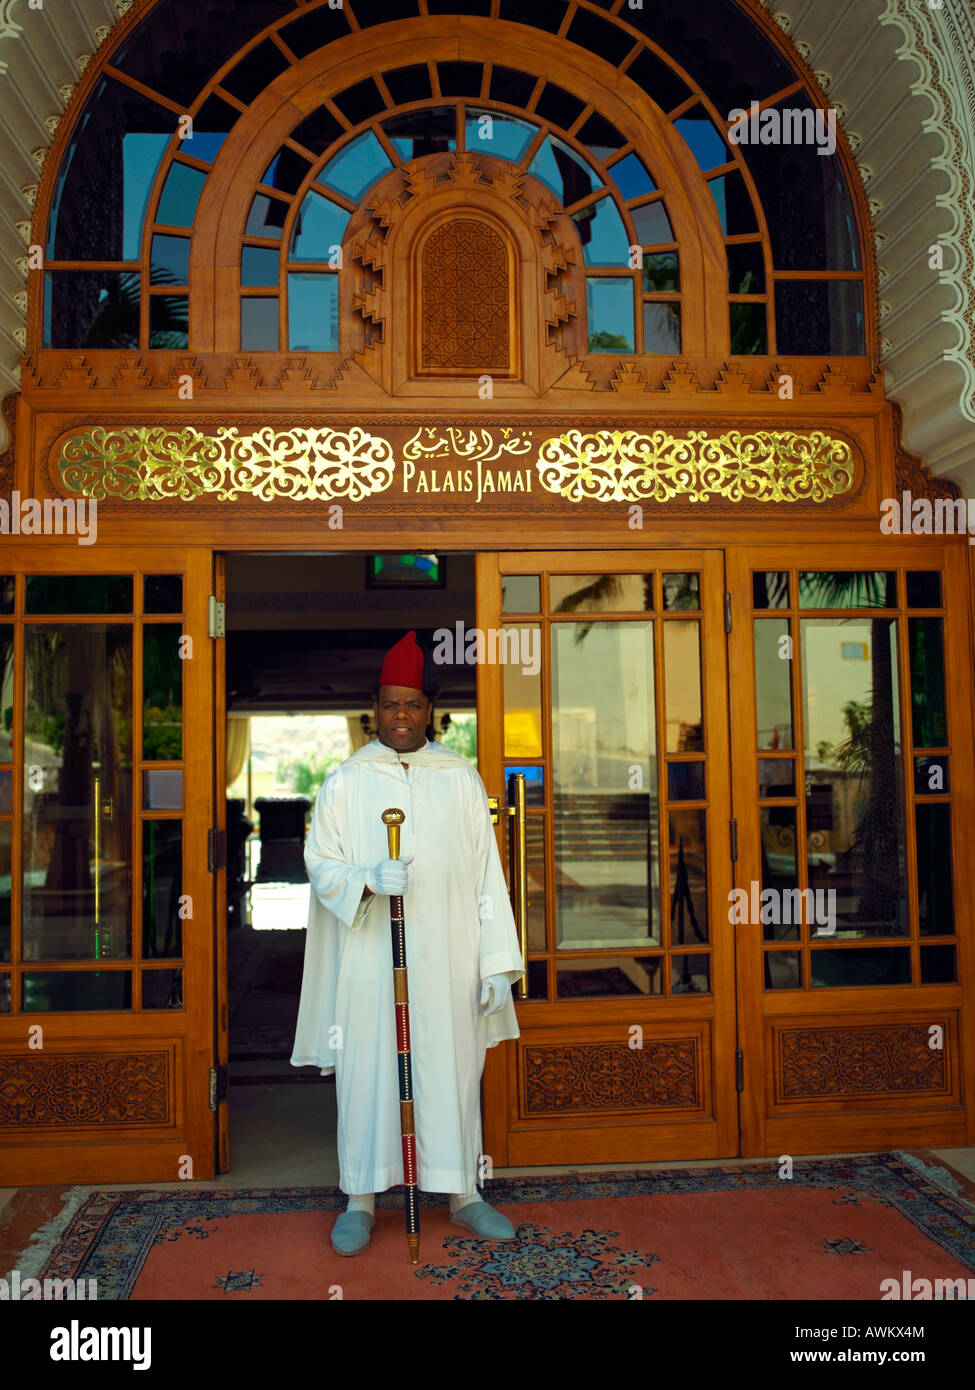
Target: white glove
point(500, 986)
point(389, 877)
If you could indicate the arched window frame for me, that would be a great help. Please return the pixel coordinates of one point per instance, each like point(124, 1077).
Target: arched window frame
point(716, 341)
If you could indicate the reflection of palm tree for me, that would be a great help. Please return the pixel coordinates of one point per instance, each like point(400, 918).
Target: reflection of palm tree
point(116, 322)
point(603, 341)
point(748, 333)
point(601, 593)
point(875, 845)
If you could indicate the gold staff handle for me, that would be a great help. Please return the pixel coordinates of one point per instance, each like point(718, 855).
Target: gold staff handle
point(392, 820)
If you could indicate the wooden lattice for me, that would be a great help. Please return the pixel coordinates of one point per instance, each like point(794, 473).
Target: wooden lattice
point(465, 295)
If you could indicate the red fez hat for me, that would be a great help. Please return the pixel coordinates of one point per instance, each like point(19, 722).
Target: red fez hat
point(403, 664)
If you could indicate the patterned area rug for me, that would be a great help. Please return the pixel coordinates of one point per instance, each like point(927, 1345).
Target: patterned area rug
point(836, 1230)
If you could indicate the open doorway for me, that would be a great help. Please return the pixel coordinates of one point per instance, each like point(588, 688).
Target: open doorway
point(306, 637)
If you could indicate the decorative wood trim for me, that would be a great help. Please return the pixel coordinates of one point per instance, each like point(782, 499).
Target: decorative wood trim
point(229, 379)
point(8, 408)
point(910, 473)
point(417, 463)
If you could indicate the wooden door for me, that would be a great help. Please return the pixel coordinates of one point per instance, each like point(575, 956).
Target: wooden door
point(608, 691)
point(106, 947)
point(853, 778)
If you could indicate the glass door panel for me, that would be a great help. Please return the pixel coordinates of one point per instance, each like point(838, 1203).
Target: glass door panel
point(77, 856)
point(106, 799)
point(604, 769)
point(834, 845)
point(845, 685)
point(615, 723)
point(621, 732)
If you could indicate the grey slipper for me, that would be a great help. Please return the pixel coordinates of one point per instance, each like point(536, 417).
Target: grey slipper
point(351, 1232)
point(484, 1221)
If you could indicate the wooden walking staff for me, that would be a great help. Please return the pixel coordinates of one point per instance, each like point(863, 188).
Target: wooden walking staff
point(392, 820)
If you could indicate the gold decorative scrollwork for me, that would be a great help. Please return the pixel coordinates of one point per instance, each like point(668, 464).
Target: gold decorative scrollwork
point(156, 463)
point(739, 466)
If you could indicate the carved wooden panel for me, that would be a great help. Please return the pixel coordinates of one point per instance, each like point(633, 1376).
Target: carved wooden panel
point(62, 1089)
point(882, 1058)
point(663, 1074)
point(464, 298)
point(9, 409)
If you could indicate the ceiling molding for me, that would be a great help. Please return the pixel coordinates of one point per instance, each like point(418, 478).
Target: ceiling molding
point(902, 76)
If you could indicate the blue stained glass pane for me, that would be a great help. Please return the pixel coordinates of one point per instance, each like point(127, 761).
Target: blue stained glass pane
point(180, 195)
point(98, 309)
point(287, 171)
point(259, 324)
point(211, 126)
point(170, 260)
point(168, 321)
point(313, 312)
point(561, 170)
point(266, 217)
point(532, 774)
point(734, 204)
point(141, 155)
point(105, 177)
point(652, 224)
point(319, 226)
point(631, 177)
point(706, 144)
point(205, 145)
point(661, 327)
point(609, 304)
point(258, 266)
point(717, 193)
point(506, 137)
point(357, 167)
point(603, 236)
point(430, 130)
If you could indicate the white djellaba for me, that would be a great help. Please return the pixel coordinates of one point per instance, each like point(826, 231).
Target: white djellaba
point(459, 931)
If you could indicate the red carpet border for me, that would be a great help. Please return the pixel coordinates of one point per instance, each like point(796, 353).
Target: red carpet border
point(836, 1230)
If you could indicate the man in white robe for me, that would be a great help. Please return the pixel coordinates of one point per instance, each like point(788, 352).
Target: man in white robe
point(462, 957)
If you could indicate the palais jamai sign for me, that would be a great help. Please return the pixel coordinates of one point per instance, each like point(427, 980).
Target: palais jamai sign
point(450, 465)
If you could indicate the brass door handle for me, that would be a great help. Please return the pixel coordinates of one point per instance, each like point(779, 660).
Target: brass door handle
point(518, 852)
